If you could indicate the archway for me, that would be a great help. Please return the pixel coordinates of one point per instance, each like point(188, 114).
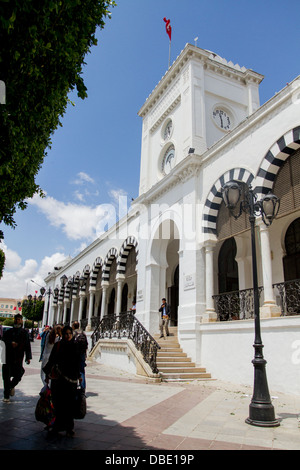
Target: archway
point(124, 299)
point(165, 267)
point(291, 261)
point(228, 267)
point(111, 303)
point(173, 297)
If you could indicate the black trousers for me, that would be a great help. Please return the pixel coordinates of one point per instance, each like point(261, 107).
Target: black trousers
point(12, 375)
point(63, 397)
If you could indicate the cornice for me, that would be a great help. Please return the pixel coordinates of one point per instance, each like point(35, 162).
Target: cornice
point(210, 60)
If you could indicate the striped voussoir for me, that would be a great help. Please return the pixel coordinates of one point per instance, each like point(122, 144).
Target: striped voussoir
point(128, 244)
point(271, 163)
point(214, 199)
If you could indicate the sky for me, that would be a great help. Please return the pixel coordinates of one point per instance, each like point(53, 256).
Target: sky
point(94, 159)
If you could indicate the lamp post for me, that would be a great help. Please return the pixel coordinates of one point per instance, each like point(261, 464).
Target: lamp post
point(49, 292)
point(261, 410)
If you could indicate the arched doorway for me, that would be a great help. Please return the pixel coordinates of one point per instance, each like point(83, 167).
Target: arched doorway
point(163, 270)
point(291, 261)
point(111, 303)
point(173, 297)
point(124, 299)
point(228, 267)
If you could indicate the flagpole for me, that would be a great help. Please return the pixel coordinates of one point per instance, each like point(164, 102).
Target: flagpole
point(169, 53)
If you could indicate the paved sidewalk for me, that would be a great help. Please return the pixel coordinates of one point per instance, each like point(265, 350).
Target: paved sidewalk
point(127, 413)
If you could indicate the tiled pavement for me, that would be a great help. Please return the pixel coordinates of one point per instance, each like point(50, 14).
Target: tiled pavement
point(127, 413)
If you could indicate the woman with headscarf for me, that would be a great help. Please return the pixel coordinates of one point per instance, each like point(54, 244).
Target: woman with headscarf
point(63, 368)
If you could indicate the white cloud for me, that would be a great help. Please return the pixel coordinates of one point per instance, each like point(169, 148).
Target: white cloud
point(82, 178)
point(16, 280)
point(77, 221)
point(80, 222)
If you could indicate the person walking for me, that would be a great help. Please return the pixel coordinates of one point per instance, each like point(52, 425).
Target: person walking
point(164, 318)
point(63, 368)
point(82, 343)
point(17, 344)
point(52, 336)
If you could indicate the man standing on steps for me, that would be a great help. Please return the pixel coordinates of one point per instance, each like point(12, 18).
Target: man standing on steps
point(164, 318)
point(17, 344)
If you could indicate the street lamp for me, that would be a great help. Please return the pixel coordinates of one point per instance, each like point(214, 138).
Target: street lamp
point(261, 410)
point(49, 292)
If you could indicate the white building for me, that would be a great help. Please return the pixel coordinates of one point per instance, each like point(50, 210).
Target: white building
point(202, 127)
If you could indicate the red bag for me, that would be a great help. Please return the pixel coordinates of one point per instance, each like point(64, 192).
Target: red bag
point(44, 410)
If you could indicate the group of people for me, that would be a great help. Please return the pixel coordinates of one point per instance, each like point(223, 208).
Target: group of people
point(63, 361)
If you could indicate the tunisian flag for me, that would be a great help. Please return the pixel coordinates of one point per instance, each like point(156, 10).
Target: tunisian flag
point(168, 28)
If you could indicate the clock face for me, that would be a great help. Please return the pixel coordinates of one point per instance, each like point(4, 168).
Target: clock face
point(168, 161)
point(222, 119)
point(168, 130)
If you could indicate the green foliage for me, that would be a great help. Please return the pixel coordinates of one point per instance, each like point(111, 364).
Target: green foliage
point(33, 310)
point(43, 45)
point(10, 322)
point(2, 262)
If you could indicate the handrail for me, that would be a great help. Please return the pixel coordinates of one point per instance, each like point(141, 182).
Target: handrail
point(126, 325)
point(289, 292)
point(235, 305)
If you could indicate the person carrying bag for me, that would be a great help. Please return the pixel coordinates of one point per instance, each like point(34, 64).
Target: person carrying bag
point(64, 360)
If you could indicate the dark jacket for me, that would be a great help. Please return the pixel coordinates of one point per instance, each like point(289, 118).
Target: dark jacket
point(21, 337)
point(65, 355)
point(167, 309)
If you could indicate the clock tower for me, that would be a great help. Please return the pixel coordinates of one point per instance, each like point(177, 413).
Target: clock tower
point(198, 101)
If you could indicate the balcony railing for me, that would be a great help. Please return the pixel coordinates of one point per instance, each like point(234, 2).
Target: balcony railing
point(236, 305)
point(289, 292)
point(126, 325)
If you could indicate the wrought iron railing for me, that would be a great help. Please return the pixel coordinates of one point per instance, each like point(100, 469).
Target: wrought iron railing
point(126, 325)
point(289, 292)
point(236, 305)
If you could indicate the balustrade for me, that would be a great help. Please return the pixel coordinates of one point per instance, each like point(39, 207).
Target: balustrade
point(289, 292)
point(236, 305)
point(126, 325)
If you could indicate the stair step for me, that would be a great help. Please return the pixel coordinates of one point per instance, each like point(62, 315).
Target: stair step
point(171, 354)
point(185, 375)
point(173, 363)
point(172, 359)
point(167, 349)
point(181, 365)
point(183, 368)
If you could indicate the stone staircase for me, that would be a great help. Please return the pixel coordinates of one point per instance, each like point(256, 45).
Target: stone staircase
point(173, 363)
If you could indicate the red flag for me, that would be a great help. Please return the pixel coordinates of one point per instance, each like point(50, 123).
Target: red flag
point(168, 28)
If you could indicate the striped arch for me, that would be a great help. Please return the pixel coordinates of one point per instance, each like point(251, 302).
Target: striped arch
point(95, 271)
point(128, 244)
point(214, 199)
point(113, 253)
point(274, 159)
point(85, 275)
point(75, 284)
point(71, 287)
point(61, 294)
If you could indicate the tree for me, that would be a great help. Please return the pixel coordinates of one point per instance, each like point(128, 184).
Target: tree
point(33, 310)
point(43, 45)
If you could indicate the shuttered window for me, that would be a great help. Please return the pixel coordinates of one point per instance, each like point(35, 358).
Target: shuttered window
point(287, 184)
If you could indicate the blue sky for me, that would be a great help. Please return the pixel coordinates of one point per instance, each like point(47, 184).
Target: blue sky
point(95, 156)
